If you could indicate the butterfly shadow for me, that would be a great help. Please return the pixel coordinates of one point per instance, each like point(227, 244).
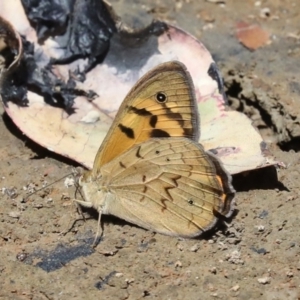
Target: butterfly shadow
point(105, 219)
point(260, 179)
point(220, 228)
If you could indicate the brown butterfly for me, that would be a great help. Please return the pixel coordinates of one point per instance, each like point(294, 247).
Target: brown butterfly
point(150, 169)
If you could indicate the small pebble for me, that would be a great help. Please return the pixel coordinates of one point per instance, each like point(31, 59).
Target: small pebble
point(15, 214)
point(21, 256)
point(129, 280)
point(260, 228)
point(265, 13)
point(264, 280)
point(69, 181)
point(235, 288)
point(195, 248)
point(180, 246)
point(178, 264)
point(289, 274)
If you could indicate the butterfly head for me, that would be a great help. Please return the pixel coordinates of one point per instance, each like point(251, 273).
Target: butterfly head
point(91, 190)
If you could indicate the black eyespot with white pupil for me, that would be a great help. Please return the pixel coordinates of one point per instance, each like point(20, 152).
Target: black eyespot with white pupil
point(190, 202)
point(161, 97)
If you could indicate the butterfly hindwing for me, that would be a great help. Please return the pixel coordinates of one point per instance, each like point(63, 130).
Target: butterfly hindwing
point(167, 185)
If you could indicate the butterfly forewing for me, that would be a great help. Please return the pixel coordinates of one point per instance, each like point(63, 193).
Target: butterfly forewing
point(161, 104)
point(167, 185)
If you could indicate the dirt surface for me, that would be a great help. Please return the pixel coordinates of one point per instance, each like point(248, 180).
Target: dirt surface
point(257, 256)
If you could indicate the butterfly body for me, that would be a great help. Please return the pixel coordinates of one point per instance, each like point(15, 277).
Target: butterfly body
point(150, 169)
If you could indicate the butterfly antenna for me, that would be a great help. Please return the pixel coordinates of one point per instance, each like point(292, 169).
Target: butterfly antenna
point(24, 199)
point(75, 173)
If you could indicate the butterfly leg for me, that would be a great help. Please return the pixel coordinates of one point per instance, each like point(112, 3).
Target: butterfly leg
point(79, 210)
point(99, 231)
point(84, 203)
